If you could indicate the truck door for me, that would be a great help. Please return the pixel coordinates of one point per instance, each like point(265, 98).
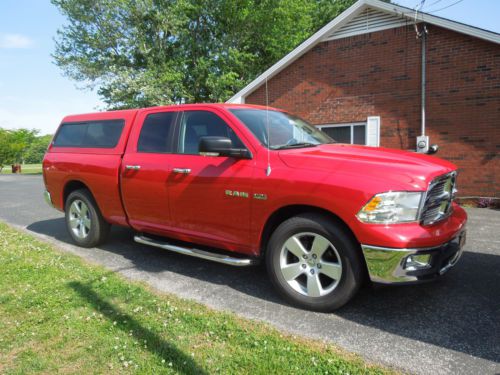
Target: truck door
point(210, 196)
point(146, 171)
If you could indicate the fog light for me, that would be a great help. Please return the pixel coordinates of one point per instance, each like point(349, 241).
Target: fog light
point(417, 262)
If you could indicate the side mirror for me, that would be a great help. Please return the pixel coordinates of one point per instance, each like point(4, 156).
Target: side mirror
point(433, 149)
point(222, 146)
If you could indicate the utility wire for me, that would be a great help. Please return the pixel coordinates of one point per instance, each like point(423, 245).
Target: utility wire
point(435, 2)
point(448, 6)
point(417, 8)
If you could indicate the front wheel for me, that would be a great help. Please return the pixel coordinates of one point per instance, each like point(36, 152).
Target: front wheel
point(314, 263)
point(84, 221)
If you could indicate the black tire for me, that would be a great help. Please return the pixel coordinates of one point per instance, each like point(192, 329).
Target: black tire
point(344, 253)
point(96, 228)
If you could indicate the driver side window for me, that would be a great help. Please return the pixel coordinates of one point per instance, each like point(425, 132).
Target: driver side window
point(197, 124)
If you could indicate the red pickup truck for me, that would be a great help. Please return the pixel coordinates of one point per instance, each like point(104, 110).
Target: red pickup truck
point(240, 184)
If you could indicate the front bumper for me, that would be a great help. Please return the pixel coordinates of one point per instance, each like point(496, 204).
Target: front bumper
point(391, 265)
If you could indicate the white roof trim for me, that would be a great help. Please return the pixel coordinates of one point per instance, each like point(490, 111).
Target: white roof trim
point(369, 20)
point(345, 17)
point(438, 21)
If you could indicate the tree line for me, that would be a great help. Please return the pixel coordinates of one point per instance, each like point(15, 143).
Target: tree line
point(22, 146)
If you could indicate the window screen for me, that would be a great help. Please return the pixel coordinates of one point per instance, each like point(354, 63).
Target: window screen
point(156, 133)
point(353, 134)
point(359, 135)
point(197, 124)
point(341, 134)
point(99, 134)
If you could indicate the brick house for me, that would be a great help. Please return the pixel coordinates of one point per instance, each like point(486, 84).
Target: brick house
point(360, 78)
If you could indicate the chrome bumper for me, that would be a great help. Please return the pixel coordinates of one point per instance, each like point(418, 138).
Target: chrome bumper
point(390, 265)
point(48, 198)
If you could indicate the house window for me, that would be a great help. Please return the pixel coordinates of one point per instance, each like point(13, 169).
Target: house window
point(347, 133)
point(358, 133)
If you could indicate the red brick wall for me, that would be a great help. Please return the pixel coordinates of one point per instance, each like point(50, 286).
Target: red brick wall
point(378, 74)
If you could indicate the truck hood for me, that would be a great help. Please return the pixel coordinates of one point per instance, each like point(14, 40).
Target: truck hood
point(383, 168)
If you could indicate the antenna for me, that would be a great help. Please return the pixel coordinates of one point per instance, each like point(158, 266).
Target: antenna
point(268, 170)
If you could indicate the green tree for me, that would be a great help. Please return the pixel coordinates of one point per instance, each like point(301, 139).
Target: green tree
point(19, 141)
point(5, 150)
point(36, 150)
point(14, 144)
point(152, 52)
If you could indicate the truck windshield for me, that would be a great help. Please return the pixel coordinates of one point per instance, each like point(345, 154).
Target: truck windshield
point(279, 130)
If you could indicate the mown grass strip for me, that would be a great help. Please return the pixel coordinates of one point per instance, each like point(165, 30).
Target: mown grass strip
point(58, 314)
point(25, 169)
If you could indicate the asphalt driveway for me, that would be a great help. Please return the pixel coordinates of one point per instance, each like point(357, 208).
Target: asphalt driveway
point(451, 326)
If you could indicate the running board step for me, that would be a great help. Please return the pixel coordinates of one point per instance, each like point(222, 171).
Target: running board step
point(220, 258)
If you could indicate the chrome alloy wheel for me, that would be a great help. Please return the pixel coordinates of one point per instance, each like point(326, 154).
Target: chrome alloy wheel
point(79, 219)
point(310, 264)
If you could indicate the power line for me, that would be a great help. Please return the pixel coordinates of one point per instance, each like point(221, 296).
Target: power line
point(448, 6)
point(435, 2)
point(420, 4)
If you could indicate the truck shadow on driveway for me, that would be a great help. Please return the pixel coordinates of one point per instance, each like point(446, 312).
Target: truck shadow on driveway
point(458, 312)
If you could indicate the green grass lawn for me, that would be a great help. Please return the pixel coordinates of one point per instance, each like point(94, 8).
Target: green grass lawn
point(25, 169)
point(59, 314)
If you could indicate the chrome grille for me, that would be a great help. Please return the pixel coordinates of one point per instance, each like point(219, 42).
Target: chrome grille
point(437, 204)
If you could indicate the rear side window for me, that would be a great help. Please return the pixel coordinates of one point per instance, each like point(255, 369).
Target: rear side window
point(156, 133)
point(99, 134)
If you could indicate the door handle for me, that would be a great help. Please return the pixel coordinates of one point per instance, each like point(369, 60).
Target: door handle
point(182, 170)
point(133, 167)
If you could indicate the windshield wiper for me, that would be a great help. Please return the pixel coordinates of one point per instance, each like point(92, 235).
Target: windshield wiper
point(294, 145)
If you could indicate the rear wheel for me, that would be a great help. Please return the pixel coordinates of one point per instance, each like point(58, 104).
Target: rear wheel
point(314, 263)
point(84, 221)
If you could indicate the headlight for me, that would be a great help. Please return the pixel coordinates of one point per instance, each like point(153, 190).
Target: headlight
point(392, 207)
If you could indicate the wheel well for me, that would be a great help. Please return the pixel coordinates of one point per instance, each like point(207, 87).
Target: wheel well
point(287, 212)
point(71, 187)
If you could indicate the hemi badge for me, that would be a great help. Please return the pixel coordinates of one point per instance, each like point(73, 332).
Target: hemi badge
point(260, 196)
